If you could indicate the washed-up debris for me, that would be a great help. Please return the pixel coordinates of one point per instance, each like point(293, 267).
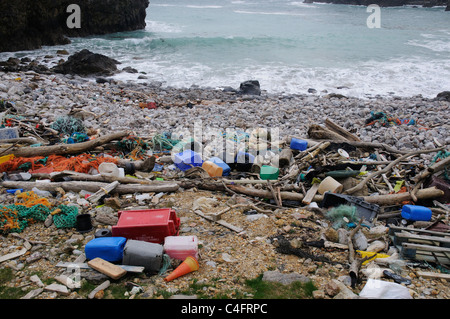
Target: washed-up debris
point(165, 203)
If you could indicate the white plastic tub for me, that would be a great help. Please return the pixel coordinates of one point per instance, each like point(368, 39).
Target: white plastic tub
point(180, 247)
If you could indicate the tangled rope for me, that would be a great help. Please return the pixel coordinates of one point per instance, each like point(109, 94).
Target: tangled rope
point(82, 163)
point(386, 120)
point(133, 147)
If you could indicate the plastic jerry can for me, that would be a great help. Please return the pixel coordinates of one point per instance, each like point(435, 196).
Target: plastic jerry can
point(144, 254)
point(269, 172)
point(298, 144)
point(225, 168)
point(151, 225)
point(107, 248)
point(185, 159)
point(180, 247)
point(212, 169)
point(416, 213)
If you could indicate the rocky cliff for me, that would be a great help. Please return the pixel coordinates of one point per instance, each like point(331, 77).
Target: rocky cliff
point(30, 24)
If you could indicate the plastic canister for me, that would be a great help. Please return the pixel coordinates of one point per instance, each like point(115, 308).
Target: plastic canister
point(107, 248)
point(416, 213)
point(298, 144)
point(212, 169)
point(142, 253)
point(185, 159)
point(180, 247)
point(225, 168)
point(269, 172)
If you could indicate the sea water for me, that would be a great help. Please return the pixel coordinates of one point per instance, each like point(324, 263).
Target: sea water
point(288, 46)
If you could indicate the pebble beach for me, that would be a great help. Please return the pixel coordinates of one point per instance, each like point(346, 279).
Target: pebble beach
point(106, 105)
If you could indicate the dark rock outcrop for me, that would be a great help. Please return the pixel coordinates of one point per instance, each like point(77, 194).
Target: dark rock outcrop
point(23, 65)
point(87, 63)
point(250, 87)
point(443, 96)
point(30, 24)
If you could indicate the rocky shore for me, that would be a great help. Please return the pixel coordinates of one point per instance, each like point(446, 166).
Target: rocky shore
point(227, 258)
point(29, 25)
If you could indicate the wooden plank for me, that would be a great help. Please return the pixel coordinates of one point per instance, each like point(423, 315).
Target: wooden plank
point(102, 192)
point(220, 222)
point(107, 268)
point(426, 247)
point(394, 229)
point(341, 131)
point(128, 268)
point(427, 240)
point(429, 274)
point(310, 194)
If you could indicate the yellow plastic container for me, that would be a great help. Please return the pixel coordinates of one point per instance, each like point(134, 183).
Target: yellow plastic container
point(370, 254)
point(213, 169)
point(6, 158)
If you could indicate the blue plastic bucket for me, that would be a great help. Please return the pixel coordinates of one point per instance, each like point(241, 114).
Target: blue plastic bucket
point(416, 213)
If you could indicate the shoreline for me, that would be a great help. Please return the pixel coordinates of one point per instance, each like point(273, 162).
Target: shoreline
point(232, 257)
point(108, 105)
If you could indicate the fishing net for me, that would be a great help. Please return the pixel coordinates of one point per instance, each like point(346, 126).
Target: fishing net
point(30, 199)
point(440, 156)
point(387, 120)
point(133, 147)
point(14, 218)
point(337, 214)
point(76, 138)
point(163, 142)
point(67, 218)
point(82, 163)
point(67, 125)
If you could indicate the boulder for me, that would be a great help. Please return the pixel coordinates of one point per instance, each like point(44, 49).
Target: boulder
point(250, 87)
point(30, 24)
point(85, 63)
point(443, 96)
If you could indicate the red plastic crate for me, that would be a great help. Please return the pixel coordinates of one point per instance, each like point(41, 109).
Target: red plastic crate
point(151, 225)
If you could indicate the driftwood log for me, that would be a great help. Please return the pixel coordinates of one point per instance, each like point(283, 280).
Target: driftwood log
point(64, 149)
point(77, 186)
point(387, 169)
point(436, 167)
point(59, 176)
point(341, 131)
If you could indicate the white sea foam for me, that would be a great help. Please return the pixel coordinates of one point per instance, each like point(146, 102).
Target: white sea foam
point(162, 27)
point(270, 13)
point(434, 45)
point(396, 77)
point(203, 7)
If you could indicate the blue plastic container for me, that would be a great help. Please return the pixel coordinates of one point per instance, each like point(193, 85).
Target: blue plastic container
point(183, 159)
point(244, 158)
point(243, 161)
point(416, 213)
point(219, 162)
point(298, 144)
point(107, 248)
